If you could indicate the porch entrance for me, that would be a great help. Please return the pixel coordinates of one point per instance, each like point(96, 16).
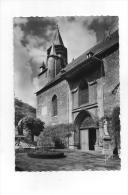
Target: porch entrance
point(87, 139)
point(86, 131)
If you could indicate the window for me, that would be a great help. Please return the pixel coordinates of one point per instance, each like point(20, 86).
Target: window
point(83, 93)
point(54, 105)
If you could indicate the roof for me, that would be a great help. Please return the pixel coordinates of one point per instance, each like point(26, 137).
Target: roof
point(57, 40)
point(98, 50)
point(43, 65)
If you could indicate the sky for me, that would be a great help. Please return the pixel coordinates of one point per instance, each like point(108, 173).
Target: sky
point(33, 36)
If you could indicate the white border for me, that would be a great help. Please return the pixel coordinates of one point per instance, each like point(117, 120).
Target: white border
point(87, 182)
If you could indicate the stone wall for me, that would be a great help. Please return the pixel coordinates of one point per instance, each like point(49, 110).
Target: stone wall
point(93, 78)
point(43, 79)
point(110, 81)
point(44, 105)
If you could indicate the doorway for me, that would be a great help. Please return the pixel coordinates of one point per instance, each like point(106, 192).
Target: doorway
point(92, 138)
point(84, 145)
point(85, 131)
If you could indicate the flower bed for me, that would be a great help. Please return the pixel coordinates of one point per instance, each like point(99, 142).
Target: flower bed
point(46, 154)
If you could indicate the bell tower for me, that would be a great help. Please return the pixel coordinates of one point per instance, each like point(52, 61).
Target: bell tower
point(51, 62)
point(56, 55)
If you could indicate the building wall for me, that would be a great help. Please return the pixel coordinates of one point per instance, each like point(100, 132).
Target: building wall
point(44, 104)
point(43, 79)
point(94, 79)
point(110, 81)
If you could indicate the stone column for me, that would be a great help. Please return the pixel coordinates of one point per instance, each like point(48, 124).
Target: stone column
point(100, 101)
point(71, 141)
point(97, 140)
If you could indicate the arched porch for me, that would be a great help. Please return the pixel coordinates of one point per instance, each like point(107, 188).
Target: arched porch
point(86, 131)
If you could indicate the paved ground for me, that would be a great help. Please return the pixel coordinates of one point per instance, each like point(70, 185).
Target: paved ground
point(74, 161)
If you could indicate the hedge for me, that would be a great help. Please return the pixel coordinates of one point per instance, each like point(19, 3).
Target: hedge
point(55, 136)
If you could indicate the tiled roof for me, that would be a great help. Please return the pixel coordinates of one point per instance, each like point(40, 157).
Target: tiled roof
point(96, 50)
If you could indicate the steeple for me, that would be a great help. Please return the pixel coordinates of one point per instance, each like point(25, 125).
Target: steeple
point(57, 40)
point(56, 55)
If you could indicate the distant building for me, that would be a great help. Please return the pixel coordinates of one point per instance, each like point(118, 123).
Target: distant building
point(82, 92)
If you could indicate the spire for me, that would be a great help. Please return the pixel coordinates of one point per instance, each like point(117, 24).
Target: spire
point(53, 51)
point(57, 40)
point(43, 65)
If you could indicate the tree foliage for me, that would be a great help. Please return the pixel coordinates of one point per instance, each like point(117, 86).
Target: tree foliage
point(31, 125)
point(56, 135)
point(116, 126)
point(22, 109)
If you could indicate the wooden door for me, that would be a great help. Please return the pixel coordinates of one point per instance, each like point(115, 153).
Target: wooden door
point(84, 143)
point(92, 139)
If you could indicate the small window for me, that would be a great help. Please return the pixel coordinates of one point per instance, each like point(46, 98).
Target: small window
point(83, 93)
point(54, 105)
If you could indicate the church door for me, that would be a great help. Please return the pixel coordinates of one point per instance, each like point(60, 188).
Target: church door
point(92, 138)
point(84, 145)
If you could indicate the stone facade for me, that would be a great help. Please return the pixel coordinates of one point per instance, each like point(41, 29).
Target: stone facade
point(111, 81)
point(99, 69)
point(44, 106)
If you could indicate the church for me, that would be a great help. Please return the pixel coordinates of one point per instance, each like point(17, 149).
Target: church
point(83, 92)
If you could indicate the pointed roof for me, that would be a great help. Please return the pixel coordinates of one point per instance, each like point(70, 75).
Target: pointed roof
point(57, 40)
point(43, 65)
point(53, 51)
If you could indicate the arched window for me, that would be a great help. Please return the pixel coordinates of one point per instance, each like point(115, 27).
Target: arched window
point(54, 105)
point(83, 92)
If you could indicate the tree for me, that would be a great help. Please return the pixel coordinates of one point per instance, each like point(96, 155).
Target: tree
point(116, 128)
point(23, 109)
point(30, 126)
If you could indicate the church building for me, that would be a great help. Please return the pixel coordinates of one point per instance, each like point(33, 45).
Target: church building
point(82, 92)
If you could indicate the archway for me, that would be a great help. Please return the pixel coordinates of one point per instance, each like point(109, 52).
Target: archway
point(85, 131)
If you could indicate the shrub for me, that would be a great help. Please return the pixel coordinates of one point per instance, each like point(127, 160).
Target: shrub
point(56, 135)
point(116, 127)
point(45, 141)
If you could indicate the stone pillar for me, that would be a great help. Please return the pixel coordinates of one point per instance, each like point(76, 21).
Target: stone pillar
point(71, 141)
point(97, 140)
point(101, 134)
point(100, 98)
point(100, 101)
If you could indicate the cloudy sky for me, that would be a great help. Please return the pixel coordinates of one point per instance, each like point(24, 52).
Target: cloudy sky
point(32, 37)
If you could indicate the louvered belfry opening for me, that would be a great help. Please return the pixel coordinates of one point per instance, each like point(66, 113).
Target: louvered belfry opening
point(54, 105)
point(83, 92)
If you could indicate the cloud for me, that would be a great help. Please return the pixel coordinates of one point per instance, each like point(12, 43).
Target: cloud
point(100, 24)
point(32, 37)
point(77, 37)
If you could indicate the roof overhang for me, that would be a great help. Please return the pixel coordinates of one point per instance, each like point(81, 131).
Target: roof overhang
point(85, 65)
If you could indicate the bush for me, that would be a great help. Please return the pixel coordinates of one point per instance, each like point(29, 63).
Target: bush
point(45, 141)
point(30, 126)
point(56, 135)
point(116, 127)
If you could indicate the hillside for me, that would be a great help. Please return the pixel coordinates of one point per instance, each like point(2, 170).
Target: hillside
point(23, 109)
